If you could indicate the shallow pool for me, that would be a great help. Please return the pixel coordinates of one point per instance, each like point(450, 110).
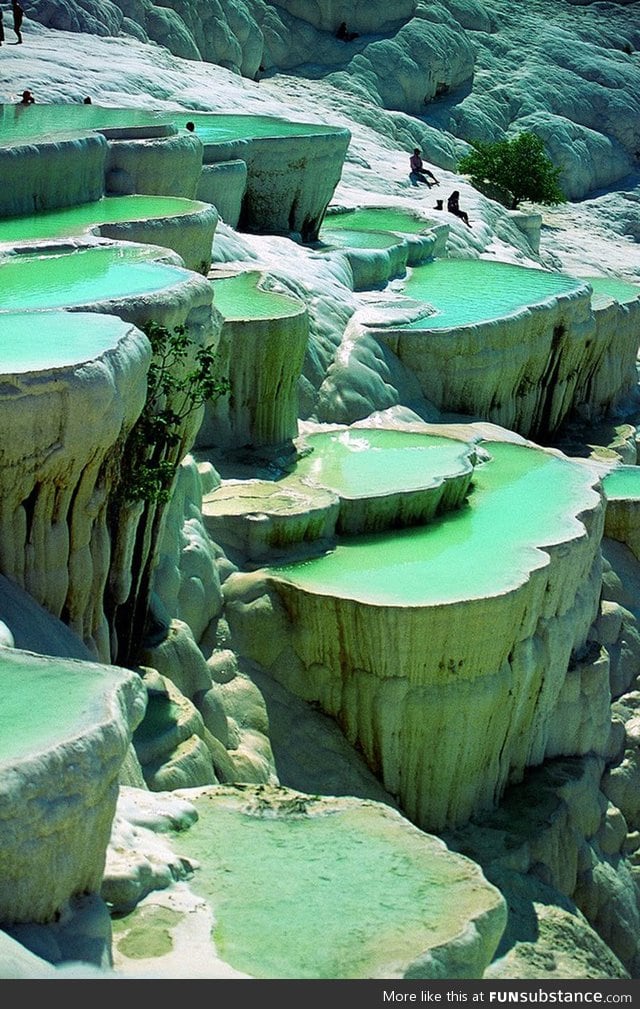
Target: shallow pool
point(623, 482)
point(364, 463)
point(239, 298)
point(610, 287)
point(338, 895)
point(82, 276)
point(375, 219)
point(522, 499)
point(468, 291)
point(110, 210)
point(44, 340)
point(66, 698)
point(20, 122)
point(348, 238)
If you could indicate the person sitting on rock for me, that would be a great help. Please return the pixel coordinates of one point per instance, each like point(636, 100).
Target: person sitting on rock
point(453, 206)
point(418, 172)
point(27, 98)
point(343, 34)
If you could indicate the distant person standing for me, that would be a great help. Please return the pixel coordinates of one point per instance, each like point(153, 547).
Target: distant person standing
point(18, 15)
point(1, 28)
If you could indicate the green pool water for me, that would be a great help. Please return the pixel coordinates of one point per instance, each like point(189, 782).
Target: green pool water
point(109, 210)
point(520, 500)
point(375, 219)
point(621, 290)
point(43, 340)
point(324, 897)
point(622, 482)
point(468, 291)
point(353, 239)
point(43, 704)
point(361, 463)
point(239, 297)
point(78, 277)
point(20, 122)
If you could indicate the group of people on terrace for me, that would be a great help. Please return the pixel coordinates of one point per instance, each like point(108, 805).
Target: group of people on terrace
point(18, 14)
point(418, 172)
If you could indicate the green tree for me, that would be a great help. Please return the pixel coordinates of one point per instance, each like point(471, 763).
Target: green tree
point(182, 377)
point(520, 168)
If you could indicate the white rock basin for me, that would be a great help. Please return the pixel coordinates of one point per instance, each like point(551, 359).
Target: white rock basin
point(347, 890)
point(66, 277)
point(65, 728)
point(261, 353)
point(622, 517)
point(469, 291)
point(441, 649)
point(479, 551)
point(186, 226)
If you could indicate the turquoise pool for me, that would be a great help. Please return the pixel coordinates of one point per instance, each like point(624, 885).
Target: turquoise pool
point(469, 291)
point(520, 501)
point(82, 276)
point(109, 210)
point(40, 341)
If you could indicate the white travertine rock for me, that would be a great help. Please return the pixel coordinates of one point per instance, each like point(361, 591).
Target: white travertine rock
point(397, 700)
point(224, 185)
point(51, 174)
point(59, 785)
point(593, 356)
point(290, 179)
point(186, 578)
point(262, 358)
point(178, 658)
point(64, 424)
point(189, 235)
point(423, 60)
point(166, 166)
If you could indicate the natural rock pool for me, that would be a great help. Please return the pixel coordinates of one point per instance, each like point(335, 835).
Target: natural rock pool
point(50, 340)
point(55, 279)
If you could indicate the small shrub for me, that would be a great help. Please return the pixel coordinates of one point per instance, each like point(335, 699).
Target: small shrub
point(520, 167)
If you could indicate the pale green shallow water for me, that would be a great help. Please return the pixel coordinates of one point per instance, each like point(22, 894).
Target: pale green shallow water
point(36, 281)
point(621, 290)
point(361, 463)
point(319, 897)
point(522, 499)
point(19, 122)
point(375, 219)
point(239, 297)
point(109, 210)
point(46, 704)
point(39, 341)
point(622, 482)
point(352, 239)
point(468, 291)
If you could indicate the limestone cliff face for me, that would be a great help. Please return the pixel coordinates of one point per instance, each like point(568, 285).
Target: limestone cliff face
point(74, 173)
point(62, 427)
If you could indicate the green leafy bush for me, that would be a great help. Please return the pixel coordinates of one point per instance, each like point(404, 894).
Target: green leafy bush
point(520, 168)
point(179, 381)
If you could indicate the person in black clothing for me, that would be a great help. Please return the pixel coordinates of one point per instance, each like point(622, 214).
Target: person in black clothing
point(18, 14)
point(453, 206)
point(1, 29)
point(343, 34)
point(27, 98)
